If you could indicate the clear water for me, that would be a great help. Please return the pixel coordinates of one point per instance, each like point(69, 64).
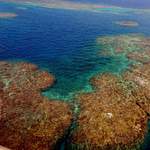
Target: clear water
point(63, 43)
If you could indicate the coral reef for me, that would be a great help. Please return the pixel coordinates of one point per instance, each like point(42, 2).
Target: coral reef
point(115, 116)
point(138, 57)
point(109, 118)
point(3, 63)
point(62, 4)
point(21, 8)
point(140, 75)
point(119, 50)
point(133, 46)
point(104, 53)
point(7, 14)
point(28, 120)
point(126, 23)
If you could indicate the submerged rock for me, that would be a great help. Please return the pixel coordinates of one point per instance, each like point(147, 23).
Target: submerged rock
point(27, 119)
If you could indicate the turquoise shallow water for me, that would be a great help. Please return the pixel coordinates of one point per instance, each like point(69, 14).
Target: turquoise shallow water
point(116, 10)
point(63, 43)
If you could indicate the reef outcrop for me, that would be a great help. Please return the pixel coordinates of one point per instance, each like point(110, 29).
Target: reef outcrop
point(110, 117)
point(139, 74)
point(132, 46)
point(7, 14)
point(24, 8)
point(27, 119)
point(126, 23)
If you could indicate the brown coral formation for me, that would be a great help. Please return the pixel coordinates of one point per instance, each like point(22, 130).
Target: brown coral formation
point(119, 50)
point(109, 118)
point(138, 57)
point(104, 53)
point(115, 116)
point(139, 74)
point(134, 46)
point(3, 63)
point(28, 120)
point(126, 23)
point(7, 14)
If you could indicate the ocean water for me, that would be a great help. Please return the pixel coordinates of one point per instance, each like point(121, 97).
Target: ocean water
point(63, 42)
point(145, 4)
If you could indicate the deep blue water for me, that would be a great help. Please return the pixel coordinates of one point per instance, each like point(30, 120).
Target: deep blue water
point(63, 43)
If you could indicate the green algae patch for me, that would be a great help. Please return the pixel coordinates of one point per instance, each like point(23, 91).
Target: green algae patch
point(27, 119)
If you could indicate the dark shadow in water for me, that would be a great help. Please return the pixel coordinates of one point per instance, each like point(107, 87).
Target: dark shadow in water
point(146, 144)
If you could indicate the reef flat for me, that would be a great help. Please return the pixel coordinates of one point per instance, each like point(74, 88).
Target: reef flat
point(110, 117)
point(115, 116)
point(60, 4)
point(29, 120)
point(21, 8)
point(126, 23)
point(133, 46)
point(7, 14)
